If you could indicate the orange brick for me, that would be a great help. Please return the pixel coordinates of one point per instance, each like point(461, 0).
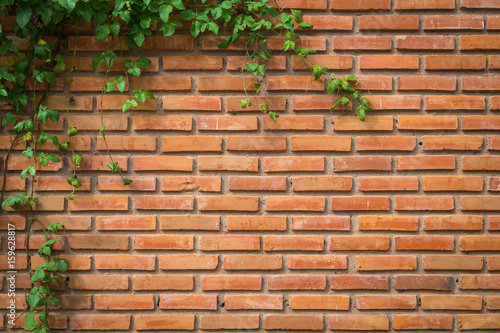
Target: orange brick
point(293, 322)
point(395, 223)
point(404, 143)
point(359, 322)
point(360, 203)
point(362, 43)
point(227, 123)
point(252, 262)
point(293, 243)
point(422, 321)
point(124, 302)
point(317, 262)
point(389, 62)
point(480, 203)
point(320, 223)
point(164, 321)
point(190, 183)
point(359, 282)
point(478, 42)
point(232, 322)
point(388, 184)
point(171, 163)
point(372, 123)
point(436, 162)
point(435, 243)
point(452, 142)
point(128, 262)
point(231, 282)
point(172, 123)
point(294, 163)
point(321, 183)
point(476, 281)
point(452, 262)
point(310, 123)
point(253, 302)
point(453, 222)
point(248, 143)
point(188, 262)
point(478, 322)
point(452, 183)
point(171, 202)
point(453, 22)
point(189, 222)
point(455, 62)
point(191, 103)
point(191, 143)
point(377, 302)
point(451, 302)
point(455, 102)
point(163, 242)
point(229, 203)
point(162, 282)
point(359, 243)
point(295, 203)
point(357, 163)
point(126, 223)
point(384, 22)
point(435, 83)
point(99, 322)
point(320, 143)
point(230, 243)
point(242, 183)
point(257, 223)
point(361, 5)
point(424, 282)
point(228, 163)
point(425, 43)
point(188, 302)
point(386, 263)
point(192, 62)
point(296, 282)
point(424, 4)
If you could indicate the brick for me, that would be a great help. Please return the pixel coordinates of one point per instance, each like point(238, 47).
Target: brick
point(452, 183)
point(392, 22)
point(480, 4)
point(231, 282)
point(225, 83)
point(377, 302)
point(229, 203)
point(302, 4)
point(166, 163)
point(470, 123)
point(422, 322)
point(192, 62)
point(367, 184)
point(320, 143)
point(170, 202)
point(293, 83)
point(494, 184)
point(492, 302)
point(246, 143)
point(493, 223)
point(168, 43)
point(89, 84)
point(360, 203)
point(359, 243)
point(76, 103)
point(276, 103)
point(425, 43)
point(191, 143)
point(453, 22)
point(298, 123)
point(479, 243)
point(361, 5)
point(329, 22)
point(189, 183)
point(362, 43)
point(320, 223)
point(227, 123)
point(478, 83)
point(332, 62)
point(359, 163)
point(228, 163)
point(163, 242)
point(493, 61)
point(236, 62)
point(476, 281)
point(425, 4)
point(127, 143)
point(478, 42)
point(293, 322)
point(188, 302)
point(321, 183)
point(124, 302)
point(75, 262)
point(386, 263)
point(317, 262)
point(403, 143)
point(424, 282)
point(211, 42)
point(252, 262)
point(253, 302)
point(434, 243)
point(160, 83)
point(164, 321)
point(357, 282)
point(452, 142)
point(188, 262)
point(189, 222)
point(434, 83)
point(372, 123)
point(453, 263)
point(294, 163)
point(295, 203)
point(476, 163)
point(359, 322)
point(52, 184)
point(191, 103)
point(225, 321)
point(98, 282)
point(99, 322)
point(116, 184)
point(230, 243)
point(453, 222)
point(455, 62)
point(98, 163)
point(293, 243)
point(126, 223)
point(435, 162)
point(256, 223)
point(394, 223)
point(480, 203)
point(98, 242)
point(493, 142)
point(162, 282)
point(478, 321)
point(451, 302)
point(455, 102)
point(309, 42)
point(128, 262)
point(424, 203)
point(296, 282)
point(389, 62)
point(115, 102)
point(243, 183)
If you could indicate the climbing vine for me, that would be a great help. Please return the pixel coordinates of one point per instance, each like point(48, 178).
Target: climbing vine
point(36, 63)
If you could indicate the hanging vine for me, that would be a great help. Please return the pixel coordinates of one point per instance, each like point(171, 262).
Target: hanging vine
point(36, 64)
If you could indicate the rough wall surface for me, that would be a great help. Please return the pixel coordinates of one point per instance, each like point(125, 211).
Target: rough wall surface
point(315, 222)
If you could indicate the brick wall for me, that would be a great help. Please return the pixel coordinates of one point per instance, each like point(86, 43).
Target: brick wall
point(315, 222)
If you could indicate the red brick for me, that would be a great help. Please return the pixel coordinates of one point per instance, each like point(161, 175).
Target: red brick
point(403, 143)
point(191, 103)
point(293, 243)
point(317, 262)
point(231, 322)
point(294, 163)
point(360, 203)
point(424, 282)
point(455, 102)
point(362, 43)
point(435, 83)
point(236, 62)
point(425, 43)
point(492, 302)
point(435, 243)
point(424, 4)
point(332, 62)
point(98, 242)
point(357, 282)
point(230, 243)
point(225, 83)
point(483, 281)
point(191, 143)
point(296, 282)
point(478, 321)
point(424, 203)
point(231, 282)
point(190, 183)
point(243, 183)
point(395, 223)
point(385, 22)
point(455, 62)
point(164, 321)
point(320, 143)
point(99, 163)
point(452, 142)
point(422, 322)
point(248, 143)
point(293, 322)
point(253, 302)
point(252, 262)
point(228, 163)
point(275, 103)
point(453, 22)
point(451, 302)
point(386, 263)
point(372, 123)
point(472, 123)
point(452, 183)
point(329, 22)
point(229, 203)
point(361, 5)
point(171, 202)
point(163, 242)
point(106, 183)
point(310, 123)
point(359, 322)
point(188, 262)
point(435, 162)
point(98, 282)
point(476, 163)
point(377, 302)
point(389, 61)
point(159, 42)
point(477, 83)
point(256, 223)
point(192, 62)
point(367, 184)
point(493, 223)
point(167, 163)
point(128, 262)
point(452, 262)
point(295, 203)
point(115, 102)
point(359, 243)
point(50, 184)
point(124, 302)
point(478, 42)
point(494, 184)
point(321, 183)
point(309, 42)
point(358, 163)
point(188, 302)
point(99, 322)
point(453, 222)
point(93, 123)
point(480, 203)
point(479, 243)
point(480, 4)
point(227, 123)
point(162, 282)
point(320, 223)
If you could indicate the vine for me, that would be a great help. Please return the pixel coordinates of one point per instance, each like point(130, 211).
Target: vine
point(40, 63)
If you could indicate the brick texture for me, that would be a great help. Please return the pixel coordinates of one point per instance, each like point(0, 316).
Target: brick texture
point(318, 222)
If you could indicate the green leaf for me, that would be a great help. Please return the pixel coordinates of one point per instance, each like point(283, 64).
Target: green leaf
point(330, 89)
point(225, 43)
point(62, 265)
point(305, 25)
point(114, 27)
point(257, 86)
point(344, 100)
point(23, 16)
point(136, 71)
point(102, 32)
point(72, 130)
point(54, 301)
point(127, 181)
point(143, 62)
point(29, 321)
point(274, 116)
point(145, 22)
point(226, 5)
point(362, 114)
point(52, 158)
point(120, 83)
point(34, 298)
point(335, 104)
point(109, 86)
point(347, 86)
point(165, 11)
point(297, 14)
point(139, 38)
point(178, 4)
point(68, 4)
